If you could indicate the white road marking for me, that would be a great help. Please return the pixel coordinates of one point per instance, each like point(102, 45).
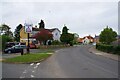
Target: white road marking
point(22, 77)
point(32, 76)
point(31, 64)
point(38, 64)
point(35, 67)
point(58, 50)
point(25, 71)
point(33, 71)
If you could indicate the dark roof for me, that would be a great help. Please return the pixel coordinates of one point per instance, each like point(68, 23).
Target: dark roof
point(35, 29)
point(96, 37)
point(118, 36)
point(51, 30)
point(89, 37)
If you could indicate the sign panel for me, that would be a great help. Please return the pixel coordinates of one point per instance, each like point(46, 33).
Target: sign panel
point(28, 27)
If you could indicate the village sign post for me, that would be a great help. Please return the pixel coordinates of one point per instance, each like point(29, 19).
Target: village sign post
point(28, 30)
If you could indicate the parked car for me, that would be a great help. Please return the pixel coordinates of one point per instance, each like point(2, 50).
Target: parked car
point(32, 46)
point(15, 49)
point(11, 44)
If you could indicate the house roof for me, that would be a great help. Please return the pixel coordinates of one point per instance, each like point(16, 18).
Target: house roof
point(118, 36)
point(96, 37)
point(35, 29)
point(80, 39)
point(89, 37)
point(42, 31)
point(51, 30)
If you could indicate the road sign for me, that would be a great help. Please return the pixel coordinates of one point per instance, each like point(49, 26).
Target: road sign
point(28, 27)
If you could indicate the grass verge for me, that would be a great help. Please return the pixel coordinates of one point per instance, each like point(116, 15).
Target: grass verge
point(28, 58)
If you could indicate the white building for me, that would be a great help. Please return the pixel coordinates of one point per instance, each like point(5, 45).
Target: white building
point(56, 33)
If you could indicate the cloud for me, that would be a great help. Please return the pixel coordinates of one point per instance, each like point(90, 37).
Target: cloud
point(60, 0)
point(83, 18)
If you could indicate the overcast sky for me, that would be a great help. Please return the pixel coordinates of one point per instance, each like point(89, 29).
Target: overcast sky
point(84, 18)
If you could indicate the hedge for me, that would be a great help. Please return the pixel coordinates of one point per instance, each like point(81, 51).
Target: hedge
point(117, 50)
point(56, 42)
point(108, 48)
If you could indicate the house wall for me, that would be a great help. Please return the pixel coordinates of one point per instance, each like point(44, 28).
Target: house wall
point(56, 35)
point(96, 40)
point(24, 36)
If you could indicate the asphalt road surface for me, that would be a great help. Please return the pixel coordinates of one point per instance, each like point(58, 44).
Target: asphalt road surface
point(73, 62)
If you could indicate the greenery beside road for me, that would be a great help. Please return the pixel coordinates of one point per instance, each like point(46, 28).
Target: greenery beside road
point(107, 36)
point(66, 38)
point(49, 47)
point(28, 58)
point(3, 40)
point(108, 48)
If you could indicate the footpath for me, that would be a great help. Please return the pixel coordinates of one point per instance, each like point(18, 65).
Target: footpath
point(107, 55)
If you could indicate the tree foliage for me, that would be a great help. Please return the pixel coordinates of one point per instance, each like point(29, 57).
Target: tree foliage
point(17, 33)
point(76, 36)
point(65, 30)
point(43, 36)
point(66, 37)
point(5, 39)
point(107, 36)
point(5, 29)
point(41, 24)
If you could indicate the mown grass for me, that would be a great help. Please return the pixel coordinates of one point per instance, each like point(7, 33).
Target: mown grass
point(28, 58)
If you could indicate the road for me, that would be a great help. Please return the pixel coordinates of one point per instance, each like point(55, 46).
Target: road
point(73, 62)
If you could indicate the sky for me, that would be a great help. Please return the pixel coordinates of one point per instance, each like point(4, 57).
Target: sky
point(81, 17)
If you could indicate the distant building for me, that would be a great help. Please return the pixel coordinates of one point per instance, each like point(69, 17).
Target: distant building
point(80, 40)
point(23, 35)
point(116, 42)
point(86, 40)
point(96, 39)
point(56, 33)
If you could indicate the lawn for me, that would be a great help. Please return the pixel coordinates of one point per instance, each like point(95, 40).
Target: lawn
point(28, 58)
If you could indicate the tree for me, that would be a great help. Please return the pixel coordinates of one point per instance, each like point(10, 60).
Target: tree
point(5, 39)
point(66, 37)
point(9, 33)
point(41, 24)
point(4, 29)
point(107, 35)
point(17, 33)
point(43, 36)
point(65, 30)
point(76, 36)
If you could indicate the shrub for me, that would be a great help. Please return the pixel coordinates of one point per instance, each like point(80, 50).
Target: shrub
point(104, 47)
point(109, 48)
point(56, 42)
point(5, 39)
point(117, 50)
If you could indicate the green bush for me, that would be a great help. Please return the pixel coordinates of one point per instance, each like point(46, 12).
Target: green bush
point(108, 48)
point(117, 50)
point(105, 48)
point(5, 39)
point(56, 42)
